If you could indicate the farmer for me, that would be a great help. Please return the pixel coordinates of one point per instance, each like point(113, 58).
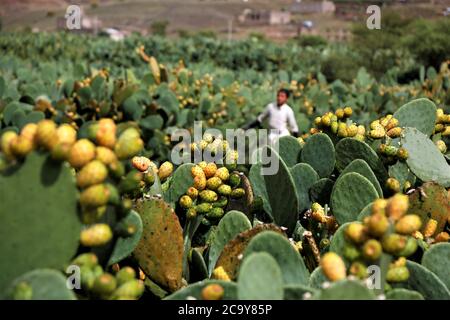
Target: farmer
point(280, 116)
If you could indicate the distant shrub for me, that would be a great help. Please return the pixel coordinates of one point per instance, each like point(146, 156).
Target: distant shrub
point(311, 41)
point(160, 27)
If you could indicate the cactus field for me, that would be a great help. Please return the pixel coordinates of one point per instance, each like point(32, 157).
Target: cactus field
point(92, 205)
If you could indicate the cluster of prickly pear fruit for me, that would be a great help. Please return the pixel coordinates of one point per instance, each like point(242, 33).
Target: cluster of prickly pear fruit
point(338, 123)
point(96, 283)
point(386, 126)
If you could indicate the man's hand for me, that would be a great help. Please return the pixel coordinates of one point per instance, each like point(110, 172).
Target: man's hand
point(252, 124)
point(295, 134)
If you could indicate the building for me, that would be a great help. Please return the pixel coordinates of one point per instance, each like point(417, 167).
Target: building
point(264, 17)
point(313, 7)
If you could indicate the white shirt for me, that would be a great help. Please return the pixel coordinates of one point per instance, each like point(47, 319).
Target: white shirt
point(280, 118)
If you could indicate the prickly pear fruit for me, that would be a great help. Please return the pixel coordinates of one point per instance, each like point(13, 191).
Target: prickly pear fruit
point(237, 193)
point(235, 180)
point(442, 237)
point(377, 224)
point(408, 224)
point(186, 202)
point(210, 170)
point(393, 184)
point(351, 252)
point(96, 235)
point(104, 285)
point(219, 273)
point(356, 232)
point(394, 132)
point(141, 163)
point(22, 291)
point(95, 196)
point(29, 132)
point(397, 274)
point(21, 146)
point(390, 150)
point(46, 135)
point(124, 275)
point(94, 172)
point(191, 213)
point(86, 259)
point(397, 206)
point(208, 196)
point(441, 146)
point(394, 243)
point(197, 171)
point(372, 250)
point(410, 247)
point(215, 213)
point(192, 192)
point(132, 289)
point(165, 170)
point(223, 174)
point(224, 190)
point(200, 182)
point(348, 112)
point(212, 291)
point(203, 207)
point(213, 183)
point(66, 134)
point(105, 155)
point(81, 153)
point(6, 140)
point(106, 133)
point(221, 203)
point(333, 266)
point(358, 269)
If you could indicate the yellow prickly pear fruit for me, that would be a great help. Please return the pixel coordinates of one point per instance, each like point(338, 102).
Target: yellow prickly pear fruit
point(222, 173)
point(212, 291)
point(439, 128)
point(192, 192)
point(392, 123)
point(342, 130)
point(213, 183)
point(86, 259)
point(402, 154)
point(21, 146)
point(81, 153)
point(106, 133)
point(442, 237)
point(104, 285)
point(348, 112)
point(377, 133)
point(394, 132)
point(397, 206)
point(61, 151)
point(318, 121)
point(219, 273)
point(361, 130)
point(379, 206)
point(5, 144)
point(29, 132)
point(200, 182)
point(397, 274)
point(96, 235)
point(197, 171)
point(191, 213)
point(186, 202)
point(400, 262)
point(360, 137)
point(165, 170)
point(333, 266)
point(95, 196)
point(372, 250)
point(377, 224)
point(393, 185)
point(356, 232)
point(326, 121)
point(441, 146)
point(408, 224)
point(237, 193)
point(141, 163)
point(94, 172)
point(352, 130)
point(430, 228)
point(130, 290)
point(66, 134)
point(339, 113)
point(210, 170)
point(208, 137)
point(124, 275)
point(127, 148)
point(46, 134)
point(375, 125)
point(446, 131)
point(105, 155)
point(208, 196)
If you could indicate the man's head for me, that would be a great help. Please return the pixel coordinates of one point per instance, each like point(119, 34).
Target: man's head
point(282, 96)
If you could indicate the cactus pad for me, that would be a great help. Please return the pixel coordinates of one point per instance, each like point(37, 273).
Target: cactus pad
point(180, 182)
point(304, 177)
point(297, 291)
point(259, 186)
point(320, 191)
point(320, 154)
point(361, 167)
point(419, 114)
point(403, 294)
point(289, 149)
point(437, 260)
point(195, 290)
point(345, 290)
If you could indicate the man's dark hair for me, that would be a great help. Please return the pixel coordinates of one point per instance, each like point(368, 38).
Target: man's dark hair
point(285, 91)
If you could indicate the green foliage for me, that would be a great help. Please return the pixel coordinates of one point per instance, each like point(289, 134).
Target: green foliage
point(159, 27)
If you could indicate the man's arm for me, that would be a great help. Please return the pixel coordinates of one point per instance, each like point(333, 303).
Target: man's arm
point(293, 123)
point(259, 119)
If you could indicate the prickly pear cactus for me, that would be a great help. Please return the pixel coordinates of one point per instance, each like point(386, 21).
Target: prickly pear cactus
point(361, 167)
point(320, 191)
point(195, 290)
point(259, 186)
point(403, 294)
point(37, 183)
point(180, 182)
point(289, 149)
point(160, 250)
point(304, 177)
point(437, 259)
point(345, 290)
point(320, 154)
point(419, 114)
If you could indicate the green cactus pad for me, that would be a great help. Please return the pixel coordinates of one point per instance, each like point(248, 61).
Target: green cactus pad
point(40, 226)
point(282, 193)
point(155, 289)
point(259, 186)
point(229, 257)
point(349, 149)
point(289, 150)
point(160, 251)
point(317, 278)
point(197, 267)
point(180, 182)
point(351, 193)
point(435, 204)
point(437, 260)
point(260, 278)
point(367, 211)
point(403, 294)
point(345, 290)
point(425, 282)
point(195, 290)
point(44, 284)
point(401, 172)
point(419, 114)
point(425, 160)
point(297, 291)
point(233, 223)
point(320, 154)
point(361, 167)
point(304, 177)
point(320, 191)
point(338, 242)
point(289, 260)
point(124, 246)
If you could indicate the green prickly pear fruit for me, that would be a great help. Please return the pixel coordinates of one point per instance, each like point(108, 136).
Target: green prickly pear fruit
point(87, 277)
point(132, 289)
point(81, 153)
point(208, 196)
point(191, 213)
point(410, 247)
point(186, 202)
point(351, 252)
point(408, 224)
point(397, 274)
point(237, 193)
point(334, 127)
point(235, 180)
point(46, 134)
point(324, 243)
point(96, 235)
point(203, 207)
point(224, 190)
point(212, 292)
point(86, 259)
point(117, 169)
point(206, 222)
point(94, 172)
point(223, 174)
point(215, 213)
point(124, 275)
point(393, 185)
point(356, 232)
point(358, 269)
point(21, 146)
point(104, 285)
point(23, 291)
point(213, 183)
point(220, 203)
point(128, 148)
point(377, 225)
point(149, 178)
point(372, 250)
point(390, 150)
point(192, 192)
point(333, 266)
point(95, 196)
point(394, 243)
point(131, 182)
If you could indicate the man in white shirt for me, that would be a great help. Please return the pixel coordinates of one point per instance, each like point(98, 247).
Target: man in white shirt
point(281, 116)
